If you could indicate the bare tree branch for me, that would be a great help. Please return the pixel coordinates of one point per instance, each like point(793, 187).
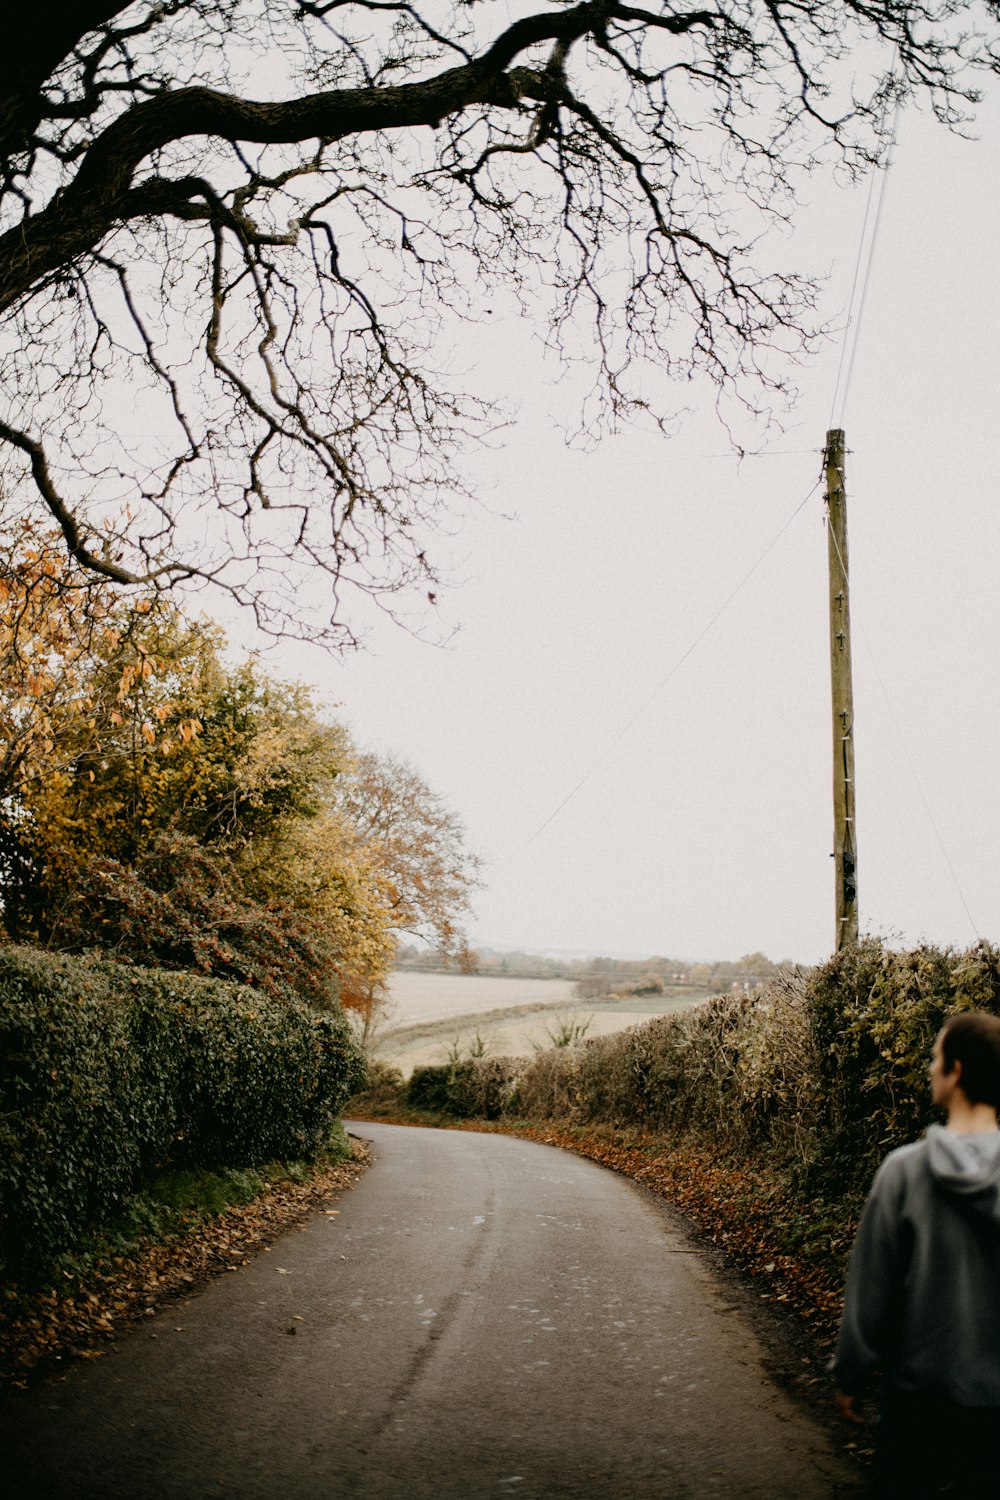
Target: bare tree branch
point(58, 508)
point(224, 285)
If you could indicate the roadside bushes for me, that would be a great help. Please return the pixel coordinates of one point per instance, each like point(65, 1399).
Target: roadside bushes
point(739, 1069)
point(815, 1075)
point(478, 1088)
point(874, 1015)
point(107, 1072)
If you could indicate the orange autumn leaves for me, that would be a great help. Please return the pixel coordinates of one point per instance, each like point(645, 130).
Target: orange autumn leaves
point(124, 732)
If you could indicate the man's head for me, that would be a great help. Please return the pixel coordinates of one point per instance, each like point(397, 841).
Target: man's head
point(970, 1040)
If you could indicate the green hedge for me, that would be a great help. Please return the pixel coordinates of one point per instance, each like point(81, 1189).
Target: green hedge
point(478, 1088)
point(107, 1072)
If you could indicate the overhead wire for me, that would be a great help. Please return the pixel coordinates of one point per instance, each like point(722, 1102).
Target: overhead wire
point(854, 319)
point(850, 307)
point(612, 744)
point(840, 394)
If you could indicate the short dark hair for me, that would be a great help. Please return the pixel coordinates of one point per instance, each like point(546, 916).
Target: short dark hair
point(972, 1037)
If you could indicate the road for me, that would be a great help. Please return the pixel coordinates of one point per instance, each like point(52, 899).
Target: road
point(480, 1316)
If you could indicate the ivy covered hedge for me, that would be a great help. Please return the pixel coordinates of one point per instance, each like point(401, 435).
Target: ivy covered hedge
point(107, 1072)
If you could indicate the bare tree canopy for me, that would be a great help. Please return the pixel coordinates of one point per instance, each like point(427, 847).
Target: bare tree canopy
point(231, 232)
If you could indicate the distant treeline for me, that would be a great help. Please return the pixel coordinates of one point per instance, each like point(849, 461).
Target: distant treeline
point(598, 976)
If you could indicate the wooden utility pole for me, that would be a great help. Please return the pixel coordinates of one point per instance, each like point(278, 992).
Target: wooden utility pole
point(845, 848)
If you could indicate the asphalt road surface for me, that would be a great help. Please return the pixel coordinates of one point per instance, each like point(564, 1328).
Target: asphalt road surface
point(480, 1317)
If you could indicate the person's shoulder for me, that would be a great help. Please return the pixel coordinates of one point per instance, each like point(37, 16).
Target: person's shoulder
point(901, 1163)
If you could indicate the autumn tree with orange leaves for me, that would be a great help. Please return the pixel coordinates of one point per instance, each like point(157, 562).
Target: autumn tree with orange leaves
point(180, 811)
point(421, 846)
point(79, 674)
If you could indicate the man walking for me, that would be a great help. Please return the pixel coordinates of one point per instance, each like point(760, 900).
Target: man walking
point(923, 1289)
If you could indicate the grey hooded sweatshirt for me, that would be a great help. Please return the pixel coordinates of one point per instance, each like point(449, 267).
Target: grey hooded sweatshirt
point(923, 1289)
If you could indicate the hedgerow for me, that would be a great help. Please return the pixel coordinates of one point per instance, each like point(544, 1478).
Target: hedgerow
point(738, 1069)
point(815, 1075)
point(476, 1088)
point(108, 1072)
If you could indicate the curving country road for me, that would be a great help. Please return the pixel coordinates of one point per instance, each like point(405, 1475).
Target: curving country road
point(480, 1317)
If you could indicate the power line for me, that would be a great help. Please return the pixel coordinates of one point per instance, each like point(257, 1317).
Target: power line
point(850, 302)
point(596, 764)
point(837, 419)
point(855, 319)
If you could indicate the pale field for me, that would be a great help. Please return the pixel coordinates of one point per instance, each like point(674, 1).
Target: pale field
point(437, 997)
point(431, 1015)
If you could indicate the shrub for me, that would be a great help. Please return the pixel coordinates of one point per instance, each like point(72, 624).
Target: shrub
point(874, 1014)
point(107, 1072)
point(438, 1088)
point(479, 1088)
point(737, 1068)
point(647, 984)
point(545, 1088)
point(487, 1090)
point(815, 1074)
point(187, 908)
point(383, 1091)
point(74, 1123)
point(259, 1078)
point(568, 1031)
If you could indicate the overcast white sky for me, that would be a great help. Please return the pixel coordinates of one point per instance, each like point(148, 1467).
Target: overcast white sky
point(703, 829)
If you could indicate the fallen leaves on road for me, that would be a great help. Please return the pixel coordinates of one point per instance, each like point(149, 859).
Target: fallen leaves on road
point(40, 1331)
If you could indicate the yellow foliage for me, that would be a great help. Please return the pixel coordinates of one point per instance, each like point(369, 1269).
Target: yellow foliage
point(119, 723)
point(87, 681)
point(321, 867)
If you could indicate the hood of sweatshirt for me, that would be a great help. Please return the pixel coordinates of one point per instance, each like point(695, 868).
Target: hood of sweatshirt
point(967, 1167)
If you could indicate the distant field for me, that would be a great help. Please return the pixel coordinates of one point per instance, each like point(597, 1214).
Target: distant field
point(430, 1014)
